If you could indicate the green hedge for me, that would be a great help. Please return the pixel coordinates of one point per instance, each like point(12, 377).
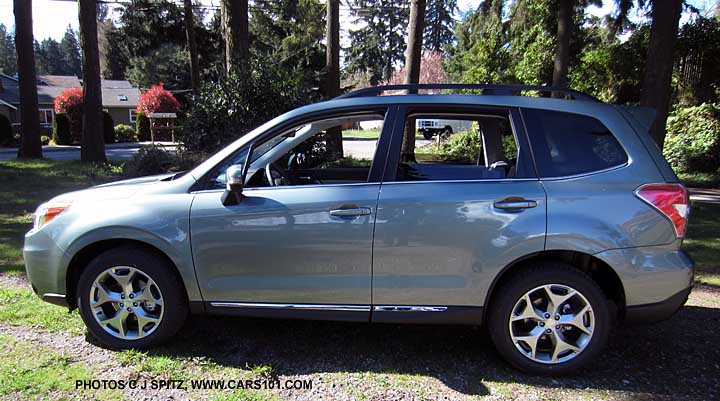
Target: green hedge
point(61, 134)
point(692, 144)
point(125, 133)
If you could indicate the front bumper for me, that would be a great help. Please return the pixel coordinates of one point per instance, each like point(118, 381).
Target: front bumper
point(658, 311)
point(45, 264)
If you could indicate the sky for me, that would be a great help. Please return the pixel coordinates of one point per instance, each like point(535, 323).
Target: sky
point(52, 17)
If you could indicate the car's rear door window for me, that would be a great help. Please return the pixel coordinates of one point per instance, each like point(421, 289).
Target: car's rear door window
point(566, 144)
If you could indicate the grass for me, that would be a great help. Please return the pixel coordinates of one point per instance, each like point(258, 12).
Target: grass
point(31, 372)
point(20, 307)
point(26, 184)
point(700, 180)
point(703, 242)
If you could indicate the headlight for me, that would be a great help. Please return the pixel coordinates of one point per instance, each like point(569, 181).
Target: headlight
point(47, 212)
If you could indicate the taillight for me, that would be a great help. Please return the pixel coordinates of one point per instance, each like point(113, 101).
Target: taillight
point(672, 200)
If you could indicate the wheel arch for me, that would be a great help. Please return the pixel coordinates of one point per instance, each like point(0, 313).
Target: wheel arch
point(602, 273)
point(82, 258)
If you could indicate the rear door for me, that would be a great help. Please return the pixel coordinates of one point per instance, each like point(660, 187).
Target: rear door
point(452, 213)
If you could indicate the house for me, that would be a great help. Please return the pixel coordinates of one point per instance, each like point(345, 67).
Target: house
point(119, 98)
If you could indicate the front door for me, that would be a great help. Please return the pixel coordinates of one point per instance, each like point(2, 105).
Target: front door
point(300, 239)
point(453, 214)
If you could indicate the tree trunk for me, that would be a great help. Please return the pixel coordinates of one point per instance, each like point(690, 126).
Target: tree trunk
point(413, 55)
point(332, 71)
point(93, 144)
point(659, 65)
point(235, 33)
point(30, 145)
point(192, 47)
point(562, 50)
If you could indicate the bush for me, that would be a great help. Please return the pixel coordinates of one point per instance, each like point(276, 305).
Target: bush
point(6, 134)
point(692, 143)
point(70, 103)
point(142, 127)
point(150, 159)
point(108, 131)
point(227, 110)
point(125, 133)
point(61, 134)
point(157, 100)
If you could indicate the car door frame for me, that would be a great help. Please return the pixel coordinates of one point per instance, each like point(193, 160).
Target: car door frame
point(308, 311)
point(449, 314)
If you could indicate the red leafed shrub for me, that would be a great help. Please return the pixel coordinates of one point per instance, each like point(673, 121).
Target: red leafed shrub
point(70, 103)
point(157, 100)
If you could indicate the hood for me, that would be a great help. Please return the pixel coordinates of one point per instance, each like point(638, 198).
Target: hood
point(113, 190)
point(139, 180)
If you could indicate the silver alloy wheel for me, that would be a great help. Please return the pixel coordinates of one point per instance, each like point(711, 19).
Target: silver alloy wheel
point(552, 323)
point(126, 303)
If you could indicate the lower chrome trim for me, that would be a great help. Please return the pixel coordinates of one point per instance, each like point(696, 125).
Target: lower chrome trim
point(356, 308)
point(397, 308)
point(55, 299)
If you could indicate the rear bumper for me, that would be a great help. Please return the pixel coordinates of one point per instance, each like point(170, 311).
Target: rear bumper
point(657, 311)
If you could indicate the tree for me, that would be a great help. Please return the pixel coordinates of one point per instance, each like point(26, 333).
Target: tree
point(659, 65)
point(235, 33)
point(412, 68)
point(191, 46)
point(332, 68)
point(439, 23)
point(562, 47)
point(8, 61)
point(70, 49)
point(432, 70)
point(30, 145)
point(168, 64)
point(50, 59)
point(379, 44)
point(93, 144)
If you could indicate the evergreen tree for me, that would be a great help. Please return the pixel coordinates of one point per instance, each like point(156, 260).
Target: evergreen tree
point(50, 58)
point(380, 43)
point(70, 48)
point(8, 61)
point(439, 23)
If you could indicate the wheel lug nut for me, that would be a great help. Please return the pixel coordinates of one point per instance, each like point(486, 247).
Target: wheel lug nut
point(557, 317)
point(548, 331)
point(129, 310)
point(542, 324)
point(121, 304)
point(134, 303)
point(132, 296)
point(547, 316)
point(122, 295)
point(557, 327)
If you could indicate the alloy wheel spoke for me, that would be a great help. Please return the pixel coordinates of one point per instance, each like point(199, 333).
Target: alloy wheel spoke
point(557, 300)
point(561, 346)
point(143, 320)
point(117, 321)
point(530, 311)
point(104, 296)
point(531, 340)
point(124, 280)
point(577, 320)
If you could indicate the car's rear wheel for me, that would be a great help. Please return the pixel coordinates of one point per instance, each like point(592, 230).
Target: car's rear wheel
point(131, 298)
point(549, 319)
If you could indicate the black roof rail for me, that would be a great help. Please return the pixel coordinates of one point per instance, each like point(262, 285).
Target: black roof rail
point(487, 89)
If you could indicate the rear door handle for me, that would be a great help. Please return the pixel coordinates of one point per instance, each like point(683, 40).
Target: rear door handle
point(515, 204)
point(350, 212)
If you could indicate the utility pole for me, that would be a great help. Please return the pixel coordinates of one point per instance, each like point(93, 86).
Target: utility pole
point(30, 145)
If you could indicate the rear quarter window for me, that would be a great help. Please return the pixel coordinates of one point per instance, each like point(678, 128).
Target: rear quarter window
point(569, 144)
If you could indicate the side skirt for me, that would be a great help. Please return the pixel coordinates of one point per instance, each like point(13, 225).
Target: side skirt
point(400, 314)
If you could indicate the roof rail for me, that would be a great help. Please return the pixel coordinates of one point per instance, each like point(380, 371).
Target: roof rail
point(487, 89)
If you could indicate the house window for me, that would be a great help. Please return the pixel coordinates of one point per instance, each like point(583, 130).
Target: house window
point(46, 116)
point(133, 115)
point(122, 98)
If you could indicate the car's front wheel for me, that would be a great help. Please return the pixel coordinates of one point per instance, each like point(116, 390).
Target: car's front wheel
point(549, 319)
point(131, 298)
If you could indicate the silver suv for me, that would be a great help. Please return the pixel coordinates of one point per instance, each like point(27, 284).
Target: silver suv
point(548, 220)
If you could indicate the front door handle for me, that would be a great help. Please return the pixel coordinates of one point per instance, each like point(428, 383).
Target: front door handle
point(515, 204)
point(350, 212)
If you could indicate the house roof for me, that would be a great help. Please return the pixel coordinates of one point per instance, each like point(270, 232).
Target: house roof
point(115, 93)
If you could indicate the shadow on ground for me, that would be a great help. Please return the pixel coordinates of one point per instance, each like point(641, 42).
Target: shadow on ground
point(675, 359)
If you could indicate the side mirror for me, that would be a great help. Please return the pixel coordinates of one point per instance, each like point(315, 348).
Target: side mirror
point(234, 186)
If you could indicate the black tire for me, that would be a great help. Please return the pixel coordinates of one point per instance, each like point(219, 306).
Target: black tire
point(505, 298)
point(175, 304)
point(447, 131)
point(427, 135)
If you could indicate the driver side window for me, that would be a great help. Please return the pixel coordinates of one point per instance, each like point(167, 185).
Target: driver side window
point(330, 151)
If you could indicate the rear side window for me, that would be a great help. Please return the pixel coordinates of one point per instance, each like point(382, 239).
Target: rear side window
point(569, 144)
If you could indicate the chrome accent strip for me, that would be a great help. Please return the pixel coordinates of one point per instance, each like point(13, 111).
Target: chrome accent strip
point(407, 308)
point(355, 308)
point(581, 175)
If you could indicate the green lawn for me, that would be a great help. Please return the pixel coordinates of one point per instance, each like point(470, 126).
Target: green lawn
point(703, 242)
point(700, 180)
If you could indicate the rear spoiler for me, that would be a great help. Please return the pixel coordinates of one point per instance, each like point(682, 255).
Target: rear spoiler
point(641, 120)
